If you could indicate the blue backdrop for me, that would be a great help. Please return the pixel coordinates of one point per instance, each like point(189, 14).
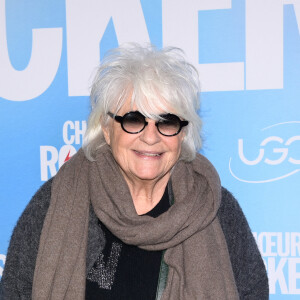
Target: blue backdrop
point(248, 56)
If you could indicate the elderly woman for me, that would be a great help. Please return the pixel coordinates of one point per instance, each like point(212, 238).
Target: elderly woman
point(137, 213)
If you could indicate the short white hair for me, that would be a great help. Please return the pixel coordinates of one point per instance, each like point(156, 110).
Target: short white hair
point(158, 79)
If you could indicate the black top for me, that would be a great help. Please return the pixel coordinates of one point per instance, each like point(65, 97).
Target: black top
point(124, 271)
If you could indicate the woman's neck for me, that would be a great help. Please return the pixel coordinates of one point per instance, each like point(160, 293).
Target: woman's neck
point(146, 194)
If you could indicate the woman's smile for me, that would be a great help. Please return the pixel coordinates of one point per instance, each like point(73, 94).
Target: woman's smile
point(148, 154)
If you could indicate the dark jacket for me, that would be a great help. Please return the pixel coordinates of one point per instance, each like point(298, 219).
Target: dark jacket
point(248, 267)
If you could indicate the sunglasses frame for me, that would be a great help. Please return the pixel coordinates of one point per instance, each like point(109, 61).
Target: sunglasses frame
point(120, 119)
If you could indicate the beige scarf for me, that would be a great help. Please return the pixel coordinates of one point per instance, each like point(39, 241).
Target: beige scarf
point(197, 254)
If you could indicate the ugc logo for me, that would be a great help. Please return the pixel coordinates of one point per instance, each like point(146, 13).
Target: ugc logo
point(272, 155)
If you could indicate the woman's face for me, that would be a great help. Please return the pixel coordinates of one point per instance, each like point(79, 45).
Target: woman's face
point(147, 155)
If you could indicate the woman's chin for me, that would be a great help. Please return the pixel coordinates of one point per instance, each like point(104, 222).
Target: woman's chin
point(148, 175)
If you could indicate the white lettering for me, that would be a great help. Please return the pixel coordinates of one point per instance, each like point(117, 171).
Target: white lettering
point(287, 243)
point(284, 151)
point(2, 258)
point(255, 236)
point(283, 250)
point(296, 5)
point(67, 137)
point(264, 44)
point(65, 153)
point(295, 243)
point(276, 274)
point(265, 241)
point(48, 163)
point(42, 67)
point(294, 275)
point(290, 141)
point(244, 159)
point(86, 23)
point(79, 132)
point(180, 28)
point(283, 271)
point(56, 160)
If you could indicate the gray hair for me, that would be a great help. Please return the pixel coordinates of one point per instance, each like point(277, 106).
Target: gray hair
point(158, 80)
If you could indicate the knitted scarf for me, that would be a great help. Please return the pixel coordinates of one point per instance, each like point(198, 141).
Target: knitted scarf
point(196, 250)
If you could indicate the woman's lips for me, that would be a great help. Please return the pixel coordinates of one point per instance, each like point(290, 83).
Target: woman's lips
point(150, 154)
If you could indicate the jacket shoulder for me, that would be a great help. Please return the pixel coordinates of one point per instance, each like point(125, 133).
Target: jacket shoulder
point(16, 282)
point(247, 263)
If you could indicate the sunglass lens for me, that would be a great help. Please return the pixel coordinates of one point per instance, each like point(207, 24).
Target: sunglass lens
point(133, 122)
point(169, 125)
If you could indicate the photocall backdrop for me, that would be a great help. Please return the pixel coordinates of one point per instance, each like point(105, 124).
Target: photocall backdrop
point(248, 56)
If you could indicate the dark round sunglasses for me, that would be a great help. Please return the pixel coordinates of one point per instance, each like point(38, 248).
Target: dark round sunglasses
point(134, 122)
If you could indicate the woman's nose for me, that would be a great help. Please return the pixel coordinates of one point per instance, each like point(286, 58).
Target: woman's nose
point(150, 134)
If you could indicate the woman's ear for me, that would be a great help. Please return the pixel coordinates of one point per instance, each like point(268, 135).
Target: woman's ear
point(183, 135)
point(106, 133)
